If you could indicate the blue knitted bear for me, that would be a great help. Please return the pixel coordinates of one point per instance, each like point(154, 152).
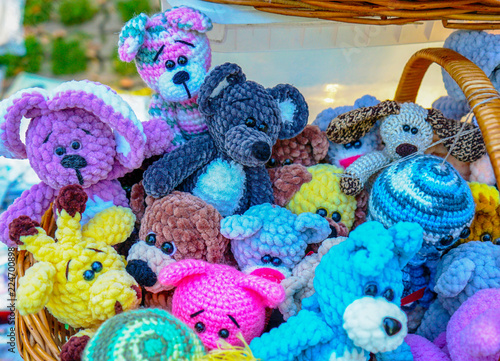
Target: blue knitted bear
point(355, 309)
point(271, 236)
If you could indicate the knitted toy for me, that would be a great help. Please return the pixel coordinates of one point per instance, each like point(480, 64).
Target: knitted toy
point(308, 148)
point(426, 190)
point(462, 272)
point(343, 155)
point(355, 309)
point(316, 189)
point(227, 167)
point(486, 224)
point(219, 302)
point(178, 226)
point(405, 129)
point(424, 350)
point(473, 332)
point(78, 276)
point(271, 236)
point(172, 55)
point(79, 133)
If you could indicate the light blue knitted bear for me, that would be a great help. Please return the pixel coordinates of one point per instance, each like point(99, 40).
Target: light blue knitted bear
point(271, 236)
point(355, 309)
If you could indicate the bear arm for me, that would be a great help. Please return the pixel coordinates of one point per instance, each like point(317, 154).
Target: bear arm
point(260, 189)
point(35, 288)
point(111, 226)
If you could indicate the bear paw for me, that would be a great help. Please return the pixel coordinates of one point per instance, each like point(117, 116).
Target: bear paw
point(22, 226)
point(72, 199)
point(73, 349)
point(351, 185)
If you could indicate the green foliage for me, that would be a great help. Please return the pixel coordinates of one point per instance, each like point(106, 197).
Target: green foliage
point(68, 56)
point(37, 11)
point(129, 8)
point(31, 62)
point(74, 12)
point(121, 67)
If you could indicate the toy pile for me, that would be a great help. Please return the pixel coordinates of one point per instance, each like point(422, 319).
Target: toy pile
point(251, 235)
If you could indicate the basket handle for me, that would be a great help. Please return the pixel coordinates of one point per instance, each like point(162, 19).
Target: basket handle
point(473, 82)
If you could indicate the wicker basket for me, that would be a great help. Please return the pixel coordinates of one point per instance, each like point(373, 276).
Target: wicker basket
point(457, 14)
point(40, 337)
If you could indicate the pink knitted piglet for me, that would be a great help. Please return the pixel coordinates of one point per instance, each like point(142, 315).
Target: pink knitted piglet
point(172, 54)
point(79, 133)
point(219, 302)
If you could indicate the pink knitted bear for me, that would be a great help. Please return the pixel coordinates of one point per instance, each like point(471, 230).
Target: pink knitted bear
point(172, 54)
point(219, 302)
point(79, 133)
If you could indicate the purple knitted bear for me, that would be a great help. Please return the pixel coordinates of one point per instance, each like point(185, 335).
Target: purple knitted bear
point(79, 133)
point(172, 55)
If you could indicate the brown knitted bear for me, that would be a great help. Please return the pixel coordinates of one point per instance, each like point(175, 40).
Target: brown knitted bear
point(178, 226)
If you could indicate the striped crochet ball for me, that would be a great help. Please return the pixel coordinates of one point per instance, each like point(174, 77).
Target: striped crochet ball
point(425, 190)
point(144, 334)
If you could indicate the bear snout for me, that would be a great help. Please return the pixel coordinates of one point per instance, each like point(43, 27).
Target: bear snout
point(73, 161)
point(181, 77)
point(261, 151)
point(391, 326)
point(141, 272)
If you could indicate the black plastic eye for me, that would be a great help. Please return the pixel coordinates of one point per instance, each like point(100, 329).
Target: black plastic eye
point(199, 327)
point(414, 130)
point(88, 275)
point(348, 146)
point(388, 294)
point(60, 151)
point(250, 122)
point(322, 212)
point(465, 233)
point(277, 262)
point(272, 163)
point(97, 266)
point(169, 64)
point(406, 128)
point(485, 237)
point(446, 240)
point(223, 333)
point(496, 242)
point(75, 145)
point(371, 289)
point(336, 217)
point(182, 60)
point(357, 144)
point(168, 248)
point(287, 161)
point(266, 259)
point(151, 239)
point(262, 128)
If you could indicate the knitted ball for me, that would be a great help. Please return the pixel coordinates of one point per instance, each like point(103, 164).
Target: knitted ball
point(146, 334)
point(425, 190)
point(323, 195)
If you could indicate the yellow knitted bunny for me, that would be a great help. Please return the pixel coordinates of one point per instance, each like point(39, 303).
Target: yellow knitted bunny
point(79, 277)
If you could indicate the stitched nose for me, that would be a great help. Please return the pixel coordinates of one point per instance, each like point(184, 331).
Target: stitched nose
point(405, 149)
point(141, 272)
point(73, 161)
point(261, 151)
point(392, 326)
point(181, 77)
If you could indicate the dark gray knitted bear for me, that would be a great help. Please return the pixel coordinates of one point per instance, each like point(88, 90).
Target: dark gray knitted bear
point(226, 168)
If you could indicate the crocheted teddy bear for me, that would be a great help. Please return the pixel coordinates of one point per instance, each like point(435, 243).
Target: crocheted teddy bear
point(79, 133)
point(355, 309)
point(78, 275)
point(227, 167)
point(178, 226)
point(406, 129)
point(219, 302)
point(343, 155)
point(172, 54)
point(462, 272)
point(271, 236)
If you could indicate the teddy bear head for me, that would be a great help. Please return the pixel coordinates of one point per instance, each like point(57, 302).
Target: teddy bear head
point(244, 119)
point(171, 51)
point(78, 276)
point(79, 133)
point(178, 226)
point(271, 236)
point(359, 285)
point(219, 302)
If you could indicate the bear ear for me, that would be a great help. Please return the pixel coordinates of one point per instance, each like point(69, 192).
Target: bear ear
point(315, 227)
point(407, 237)
point(216, 81)
point(240, 227)
point(293, 110)
point(186, 18)
point(175, 272)
point(317, 140)
point(455, 278)
point(271, 292)
point(132, 37)
point(287, 181)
